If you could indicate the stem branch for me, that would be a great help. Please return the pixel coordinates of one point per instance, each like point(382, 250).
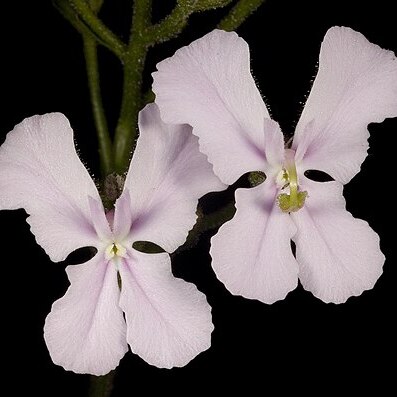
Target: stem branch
point(239, 13)
point(97, 28)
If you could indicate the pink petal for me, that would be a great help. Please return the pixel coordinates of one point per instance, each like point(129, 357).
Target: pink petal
point(251, 254)
point(168, 319)
point(356, 84)
point(338, 255)
point(98, 219)
point(85, 331)
point(274, 148)
point(123, 216)
point(41, 172)
point(208, 85)
point(167, 176)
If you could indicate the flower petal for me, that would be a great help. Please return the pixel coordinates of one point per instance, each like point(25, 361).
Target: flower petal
point(356, 84)
point(251, 254)
point(168, 319)
point(166, 178)
point(123, 216)
point(85, 331)
point(41, 172)
point(338, 255)
point(98, 219)
point(208, 85)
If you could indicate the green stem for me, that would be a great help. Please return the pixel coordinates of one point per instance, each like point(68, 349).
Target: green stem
point(134, 62)
point(239, 13)
point(98, 28)
point(92, 68)
point(101, 386)
point(172, 25)
point(142, 15)
point(127, 126)
point(105, 144)
point(204, 5)
point(176, 21)
point(69, 14)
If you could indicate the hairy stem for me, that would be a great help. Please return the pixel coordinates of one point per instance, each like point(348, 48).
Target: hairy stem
point(66, 10)
point(134, 64)
point(239, 13)
point(127, 126)
point(105, 144)
point(142, 15)
point(97, 28)
point(172, 25)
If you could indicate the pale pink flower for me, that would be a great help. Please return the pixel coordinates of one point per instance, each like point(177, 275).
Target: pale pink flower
point(208, 85)
point(167, 320)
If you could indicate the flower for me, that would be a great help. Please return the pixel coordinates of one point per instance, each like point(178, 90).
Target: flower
point(167, 320)
point(209, 86)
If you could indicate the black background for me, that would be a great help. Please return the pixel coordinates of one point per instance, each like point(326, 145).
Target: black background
point(299, 343)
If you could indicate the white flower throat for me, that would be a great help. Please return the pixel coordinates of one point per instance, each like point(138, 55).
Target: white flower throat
point(115, 250)
point(288, 178)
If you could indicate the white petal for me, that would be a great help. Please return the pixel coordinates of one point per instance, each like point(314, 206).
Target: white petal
point(99, 219)
point(168, 319)
point(85, 331)
point(41, 172)
point(356, 85)
point(167, 176)
point(251, 254)
point(338, 255)
point(208, 85)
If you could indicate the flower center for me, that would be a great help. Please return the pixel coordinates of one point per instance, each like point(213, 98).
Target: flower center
point(115, 250)
point(295, 200)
